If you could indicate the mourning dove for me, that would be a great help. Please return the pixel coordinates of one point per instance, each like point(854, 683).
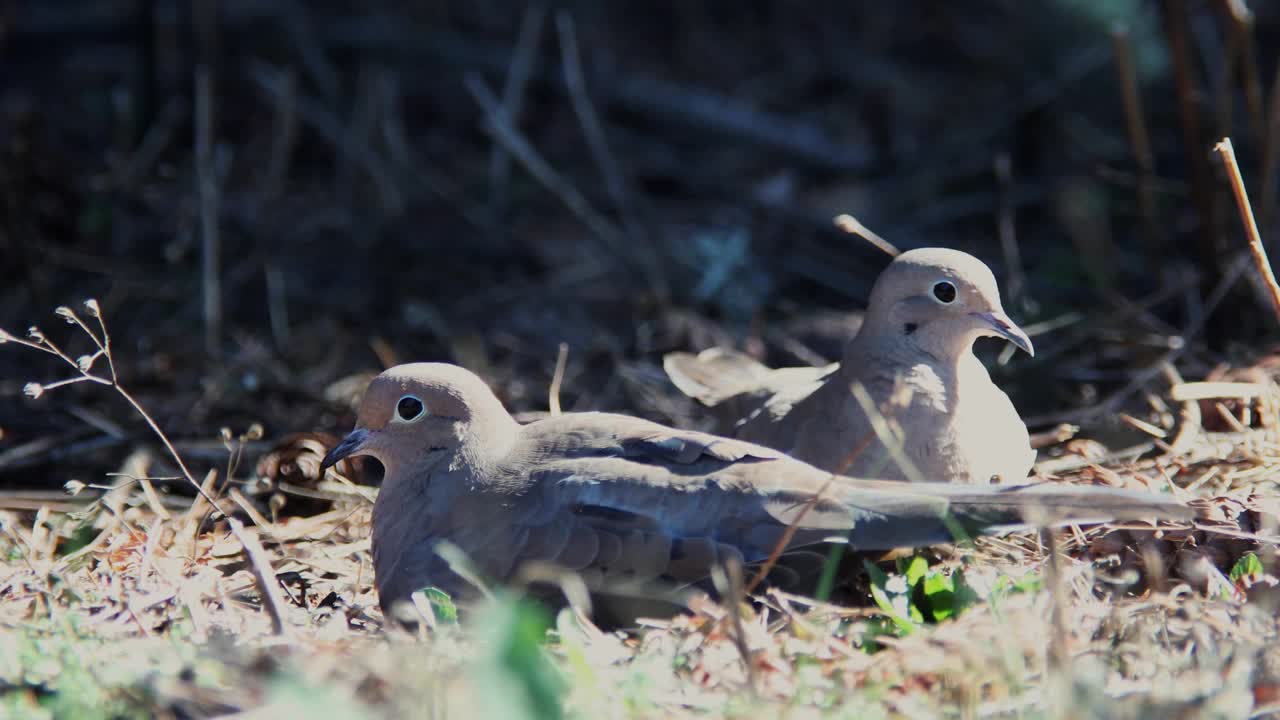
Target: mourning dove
point(914, 357)
point(627, 502)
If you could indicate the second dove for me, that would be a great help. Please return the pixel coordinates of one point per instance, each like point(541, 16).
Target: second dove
point(911, 363)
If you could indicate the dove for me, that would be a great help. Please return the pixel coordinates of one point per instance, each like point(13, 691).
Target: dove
point(913, 357)
point(624, 502)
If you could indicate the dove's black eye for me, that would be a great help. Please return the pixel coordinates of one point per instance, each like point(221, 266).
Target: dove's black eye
point(944, 291)
point(410, 408)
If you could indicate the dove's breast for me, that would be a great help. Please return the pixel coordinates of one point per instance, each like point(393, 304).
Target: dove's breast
point(996, 445)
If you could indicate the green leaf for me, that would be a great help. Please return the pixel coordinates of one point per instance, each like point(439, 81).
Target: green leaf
point(894, 601)
point(940, 594)
point(82, 536)
point(514, 678)
point(948, 595)
point(1248, 567)
point(916, 569)
point(936, 583)
point(827, 581)
point(442, 606)
point(1005, 585)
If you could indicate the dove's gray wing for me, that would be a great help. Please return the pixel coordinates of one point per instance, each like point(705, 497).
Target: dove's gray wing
point(628, 503)
point(738, 388)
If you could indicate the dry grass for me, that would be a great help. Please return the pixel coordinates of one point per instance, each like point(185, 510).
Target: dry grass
point(128, 600)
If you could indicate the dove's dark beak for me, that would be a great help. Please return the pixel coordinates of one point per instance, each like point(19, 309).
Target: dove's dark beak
point(1004, 327)
point(350, 445)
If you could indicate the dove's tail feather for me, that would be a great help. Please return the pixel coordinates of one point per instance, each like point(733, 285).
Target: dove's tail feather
point(917, 516)
point(712, 376)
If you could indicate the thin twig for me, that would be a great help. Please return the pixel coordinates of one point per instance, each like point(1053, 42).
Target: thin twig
point(402, 155)
point(1139, 139)
point(592, 128)
point(615, 241)
point(263, 573)
point(270, 81)
point(1006, 228)
point(1176, 22)
point(284, 135)
point(1256, 250)
point(1235, 269)
point(277, 304)
point(154, 143)
point(787, 534)
point(851, 225)
point(553, 399)
point(1059, 645)
point(794, 525)
point(1270, 156)
point(733, 572)
point(1225, 101)
point(1241, 20)
point(513, 94)
point(207, 191)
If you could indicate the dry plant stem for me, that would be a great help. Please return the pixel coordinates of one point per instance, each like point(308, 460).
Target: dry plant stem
point(261, 567)
point(1226, 84)
point(277, 304)
point(1235, 269)
point(357, 132)
point(1241, 21)
point(262, 571)
point(1059, 650)
point(1177, 23)
point(207, 191)
point(1139, 139)
point(733, 571)
point(1256, 250)
point(270, 81)
point(616, 243)
point(285, 135)
point(851, 225)
point(553, 399)
point(513, 94)
point(357, 140)
point(1007, 230)
point(302, 32)
point(792, 528)
point(592, 128)
point(880, 424)
point(154, 143)
point(1270, 144)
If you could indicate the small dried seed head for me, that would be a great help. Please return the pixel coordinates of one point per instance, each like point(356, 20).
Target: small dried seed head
point(226, 434)
point(34, 334)
point(255, 432)
point(66, 313)
point(33, 390)
point(5, 337)
point(91, 307)
point(73, 487)
point(85, 363)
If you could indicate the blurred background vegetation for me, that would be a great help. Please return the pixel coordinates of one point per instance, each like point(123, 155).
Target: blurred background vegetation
point(273, 198)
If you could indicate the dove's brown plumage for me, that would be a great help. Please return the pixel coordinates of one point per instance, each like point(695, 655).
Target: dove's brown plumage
point(915, 344)
point(623, 501)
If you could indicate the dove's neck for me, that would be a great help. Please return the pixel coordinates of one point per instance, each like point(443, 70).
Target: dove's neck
point(937, 364)
point(488, 441)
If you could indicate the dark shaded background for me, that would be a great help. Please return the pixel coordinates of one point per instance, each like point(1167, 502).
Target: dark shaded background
point(362, 207)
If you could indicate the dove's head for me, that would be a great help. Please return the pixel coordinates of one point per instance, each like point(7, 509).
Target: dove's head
point(941, 300)
point(413, 416)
